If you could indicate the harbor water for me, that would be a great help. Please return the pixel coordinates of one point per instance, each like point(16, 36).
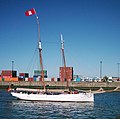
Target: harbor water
point(106, 106)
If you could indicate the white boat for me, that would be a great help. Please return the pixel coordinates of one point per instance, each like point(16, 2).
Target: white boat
point(44, 95)
point(63, 97)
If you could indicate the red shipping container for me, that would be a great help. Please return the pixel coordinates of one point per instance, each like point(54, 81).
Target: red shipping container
point(24, 75)
point(52, 79)
point(21, 74)
point(30, 79)
point(41, 79)
point(20, 79)
point(6, 73)
point(68, 75)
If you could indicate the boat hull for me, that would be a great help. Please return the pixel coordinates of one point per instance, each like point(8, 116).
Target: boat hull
point(81, 97)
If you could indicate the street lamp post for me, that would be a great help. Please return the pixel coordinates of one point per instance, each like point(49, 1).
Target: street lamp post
point(12, 65)
point(118, 70)
point(100, 69)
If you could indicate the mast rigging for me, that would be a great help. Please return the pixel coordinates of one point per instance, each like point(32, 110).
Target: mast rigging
point(40, 51)
point(64, 61)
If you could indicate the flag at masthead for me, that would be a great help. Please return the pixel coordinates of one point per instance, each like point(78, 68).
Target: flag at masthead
point(30, 12)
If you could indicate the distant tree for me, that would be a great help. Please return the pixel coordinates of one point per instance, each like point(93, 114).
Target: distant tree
point(105, 79)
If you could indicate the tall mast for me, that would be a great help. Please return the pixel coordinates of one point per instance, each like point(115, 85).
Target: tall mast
point(40, 52)
point(64, 61)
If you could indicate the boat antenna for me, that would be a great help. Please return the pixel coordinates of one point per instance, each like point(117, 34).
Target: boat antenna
point(64, 61)
point(40, 51)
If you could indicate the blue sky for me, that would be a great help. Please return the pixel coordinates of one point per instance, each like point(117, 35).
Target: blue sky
point(91, 31)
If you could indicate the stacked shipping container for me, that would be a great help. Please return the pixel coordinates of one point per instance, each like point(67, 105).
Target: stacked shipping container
point(66, 73)
point(38, 73)
point(8, 75)
point(23, 76)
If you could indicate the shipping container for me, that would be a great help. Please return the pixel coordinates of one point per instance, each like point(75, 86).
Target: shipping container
point(47, 79)
point(26, 79)
point(21, 74)
point(6, 73)
point(14, 79)
point(52, 79)
point(78, 79)
point(41, 79)
point(55, 79)
point(7, 79)
point(14, 73)
point(9, 73)
point(30, 79)
point(38, 73)
point(25, 75)
point(66, 73)
point(36, 78)
point(58, 79)
point(21, 79)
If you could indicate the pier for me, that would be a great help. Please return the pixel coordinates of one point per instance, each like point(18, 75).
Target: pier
point(115, 86)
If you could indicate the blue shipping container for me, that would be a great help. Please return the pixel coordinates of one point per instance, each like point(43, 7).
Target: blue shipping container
point(78, 79)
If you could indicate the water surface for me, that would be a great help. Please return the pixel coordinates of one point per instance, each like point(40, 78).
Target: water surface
point(106, 106)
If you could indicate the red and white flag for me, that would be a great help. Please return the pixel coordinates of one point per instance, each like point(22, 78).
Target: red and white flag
point(30, 12)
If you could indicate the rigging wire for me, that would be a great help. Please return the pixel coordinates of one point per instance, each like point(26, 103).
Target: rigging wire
point(31, 64)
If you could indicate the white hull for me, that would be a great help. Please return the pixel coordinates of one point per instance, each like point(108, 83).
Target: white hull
point(81, 97)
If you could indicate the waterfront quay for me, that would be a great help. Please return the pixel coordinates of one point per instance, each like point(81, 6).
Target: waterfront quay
point(82, 85)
